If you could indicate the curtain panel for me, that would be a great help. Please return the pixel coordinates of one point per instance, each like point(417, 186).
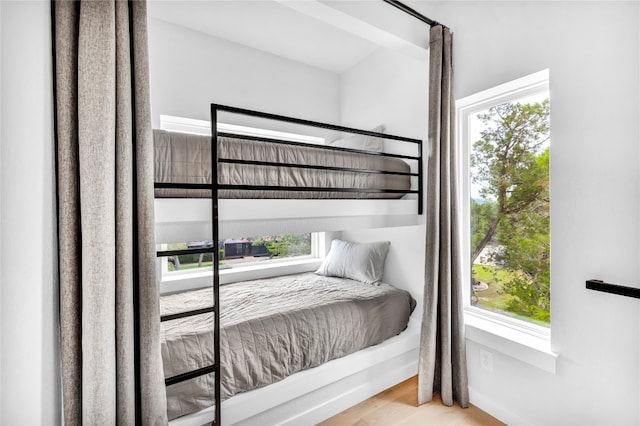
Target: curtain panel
point(109, 314)
point(442, 363)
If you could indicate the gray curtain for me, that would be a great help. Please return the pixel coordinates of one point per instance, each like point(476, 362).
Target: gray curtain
point(105, 215)
point(442, 364)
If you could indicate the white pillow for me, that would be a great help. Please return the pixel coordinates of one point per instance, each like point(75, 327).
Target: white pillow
point(358, 261)
point(363, 142)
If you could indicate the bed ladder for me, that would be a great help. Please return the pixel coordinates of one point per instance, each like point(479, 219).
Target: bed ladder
point(215, 254)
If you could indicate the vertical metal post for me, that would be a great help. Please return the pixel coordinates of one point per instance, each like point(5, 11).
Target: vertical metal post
point(216, 261)
point(420, 180)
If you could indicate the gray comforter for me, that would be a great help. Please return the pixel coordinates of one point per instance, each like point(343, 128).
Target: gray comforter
point(272, 328)
point(186, 158)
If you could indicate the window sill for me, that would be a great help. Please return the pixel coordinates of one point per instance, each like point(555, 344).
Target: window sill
point(200, 279)
point(269, 269)
point(534, 348)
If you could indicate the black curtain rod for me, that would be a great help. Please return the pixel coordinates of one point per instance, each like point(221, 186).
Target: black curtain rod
point(403, 7)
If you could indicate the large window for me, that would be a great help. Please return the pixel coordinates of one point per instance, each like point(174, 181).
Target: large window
point(506, 134)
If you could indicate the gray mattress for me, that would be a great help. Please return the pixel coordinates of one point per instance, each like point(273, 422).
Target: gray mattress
point(186, 158)
point(272, 328)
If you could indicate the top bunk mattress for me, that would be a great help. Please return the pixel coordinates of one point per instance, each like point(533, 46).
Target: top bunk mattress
point(272, 328)
point(186, 158)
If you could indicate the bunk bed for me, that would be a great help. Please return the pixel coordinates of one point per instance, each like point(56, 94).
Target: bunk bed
point(278, 170)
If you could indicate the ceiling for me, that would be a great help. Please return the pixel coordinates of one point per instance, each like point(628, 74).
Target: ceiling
point(329, 35)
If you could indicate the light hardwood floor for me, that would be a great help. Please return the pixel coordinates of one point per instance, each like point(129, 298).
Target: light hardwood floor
point(399, 406)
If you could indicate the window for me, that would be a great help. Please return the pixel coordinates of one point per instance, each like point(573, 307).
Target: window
point(505, 135)
point(239, 252)
point(241, 258)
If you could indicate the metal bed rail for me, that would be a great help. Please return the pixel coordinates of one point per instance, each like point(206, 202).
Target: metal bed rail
point(317, 124)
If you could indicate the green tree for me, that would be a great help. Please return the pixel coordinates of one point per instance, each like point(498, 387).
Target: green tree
point(286, 245)
point(526, 248)
point(504, 161)
point(511, 165)
point(482, 214)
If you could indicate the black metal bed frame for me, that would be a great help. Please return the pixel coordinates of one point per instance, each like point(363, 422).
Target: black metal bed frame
point(215, 187)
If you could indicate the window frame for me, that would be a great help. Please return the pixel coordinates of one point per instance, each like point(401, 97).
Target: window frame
point(518, 338)
point(172, 281)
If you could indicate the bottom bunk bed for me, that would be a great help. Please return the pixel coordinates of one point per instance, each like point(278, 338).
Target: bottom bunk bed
point(279, 336)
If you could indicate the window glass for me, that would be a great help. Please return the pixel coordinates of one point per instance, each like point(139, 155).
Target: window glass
point(509, 146)
point(240, 251)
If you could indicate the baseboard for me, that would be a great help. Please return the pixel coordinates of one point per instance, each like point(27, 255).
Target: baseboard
point(332, 399)
point(351, 397)
point(488, 405)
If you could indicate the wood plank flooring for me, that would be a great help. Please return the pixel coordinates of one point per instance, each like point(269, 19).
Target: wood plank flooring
point(399, 406)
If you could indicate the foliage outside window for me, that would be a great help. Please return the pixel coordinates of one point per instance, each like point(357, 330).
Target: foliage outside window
point(509, 211)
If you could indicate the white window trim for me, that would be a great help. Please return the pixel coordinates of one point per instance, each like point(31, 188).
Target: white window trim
point(203, 127)
point(525, 341)
point(509, 340)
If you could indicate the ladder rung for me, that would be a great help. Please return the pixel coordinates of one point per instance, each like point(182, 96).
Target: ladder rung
point(189, 375)
point(185, 314)
point(314, 189)
point(176, 185)
point(313, 167)
point(165, 253)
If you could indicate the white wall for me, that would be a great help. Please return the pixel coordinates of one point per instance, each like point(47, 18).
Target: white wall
point(404, 266)
point(190, 70)
point(392, 89)
point(387, 88)
point(29, 369)
point(592, 52)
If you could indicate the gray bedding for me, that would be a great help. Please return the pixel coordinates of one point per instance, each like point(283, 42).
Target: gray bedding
point(272, 328)
point(186, 158)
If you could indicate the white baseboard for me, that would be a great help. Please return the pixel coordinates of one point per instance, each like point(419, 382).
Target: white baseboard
point(319, 405)
point(486, 404)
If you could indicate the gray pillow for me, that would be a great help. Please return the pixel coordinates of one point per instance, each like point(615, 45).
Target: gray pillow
point(362, 142)
point(358, 261)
